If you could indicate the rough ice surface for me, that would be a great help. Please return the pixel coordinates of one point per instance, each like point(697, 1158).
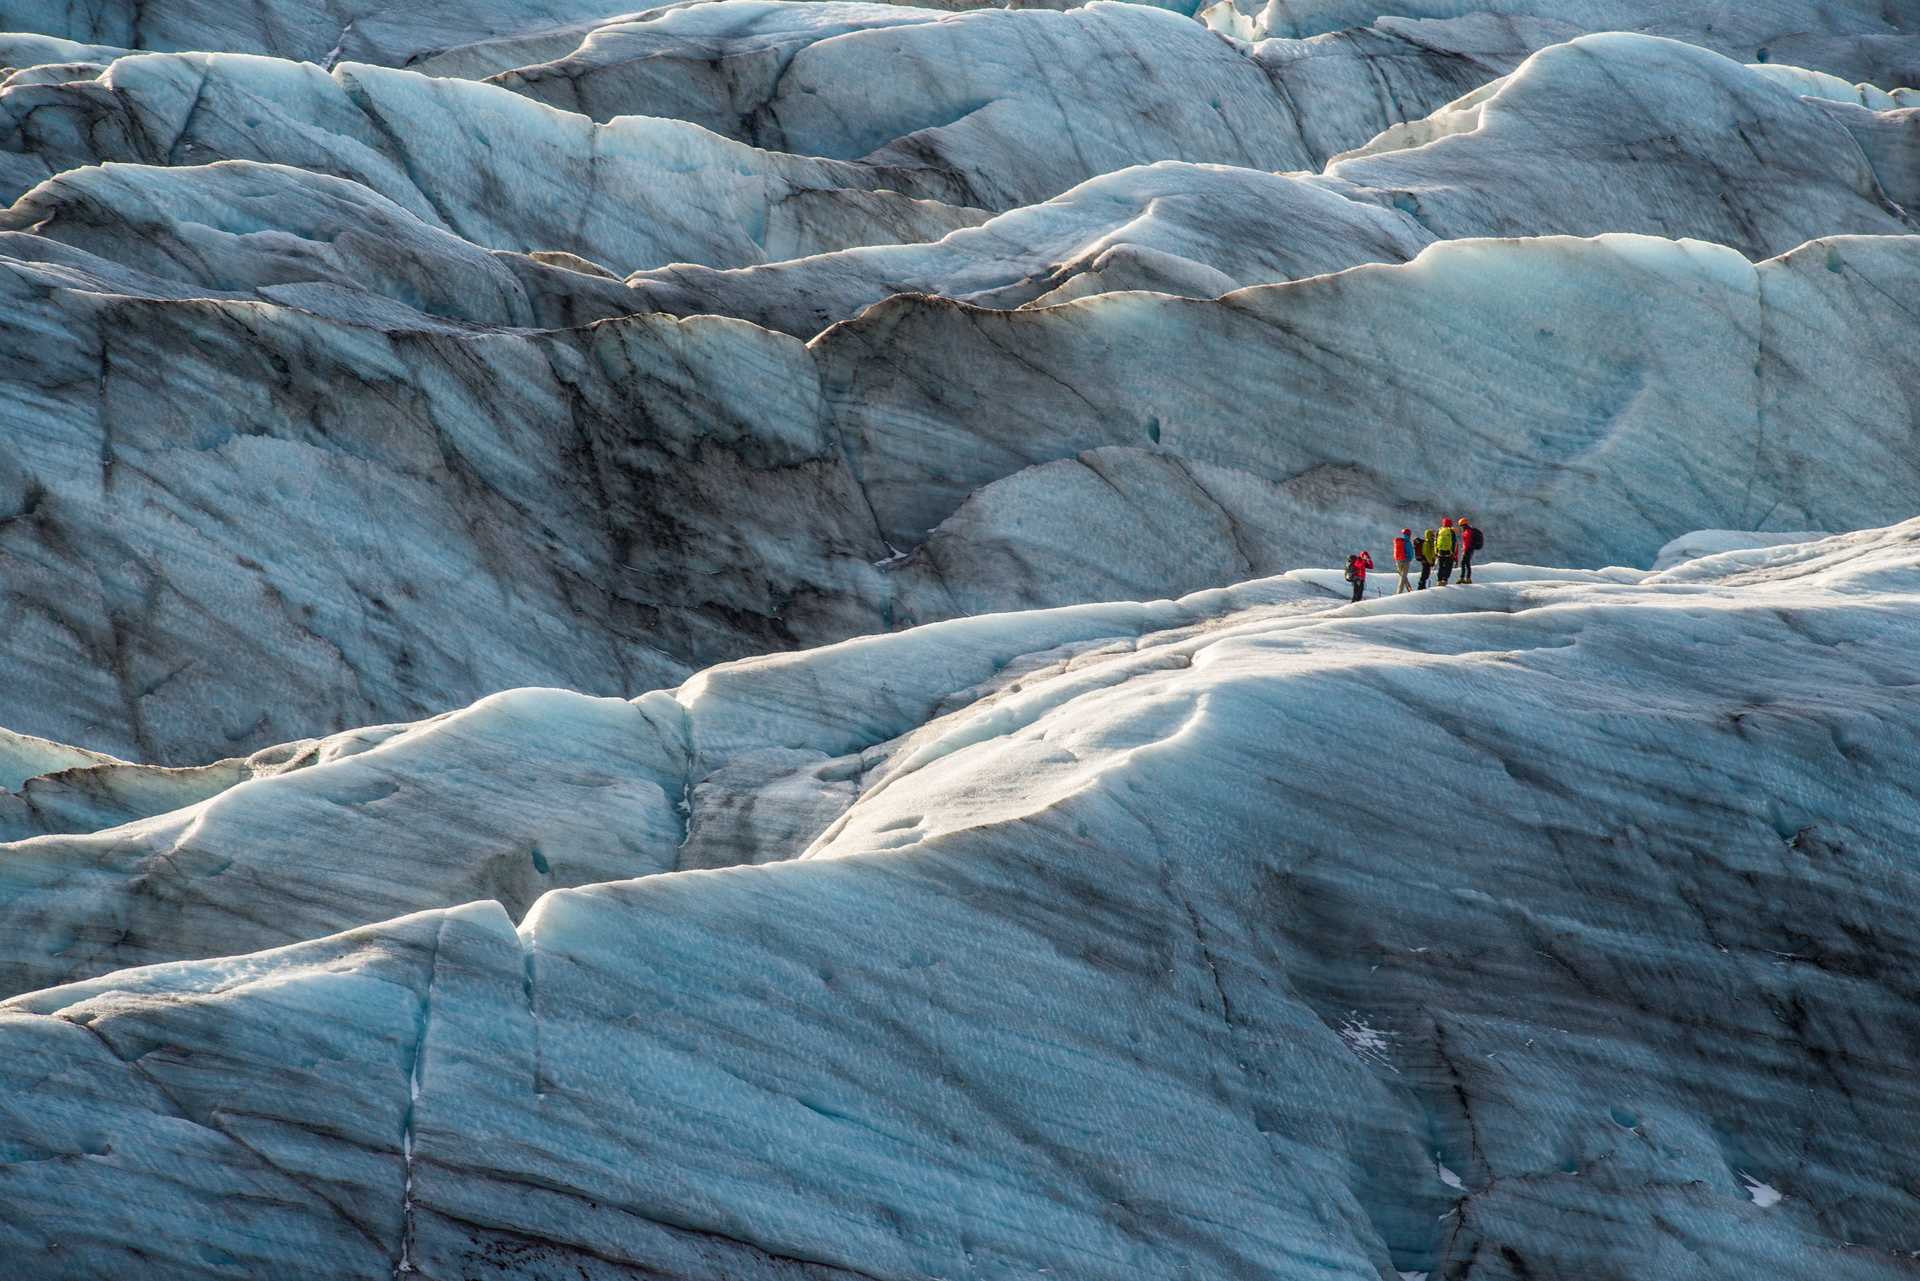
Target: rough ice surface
point(1502, 328)
point(485, 164)
point(306, 30)
point(1550, 149)
point(48, 787)
point(741, 488)
point(1857, 39)
point(1121, 919)
point(523, 792)
point(1742, 158)
point(1193, 230)
point(1702, 543)
point(704, 642)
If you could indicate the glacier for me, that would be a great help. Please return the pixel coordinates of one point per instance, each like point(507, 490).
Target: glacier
point(748, 492)
point(1857, 39)
point(1819, 157)
point(1171, 227)
point(705, 641)
point(1120, 907)
point(491, 166)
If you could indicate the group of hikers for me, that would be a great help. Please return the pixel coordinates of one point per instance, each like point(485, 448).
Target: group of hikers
point(1439, 551)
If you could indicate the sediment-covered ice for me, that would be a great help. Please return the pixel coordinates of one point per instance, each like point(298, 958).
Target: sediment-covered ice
point(1622, 927)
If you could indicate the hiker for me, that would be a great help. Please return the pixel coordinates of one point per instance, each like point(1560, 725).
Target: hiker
point(1470, 540)
point(1357, 567)
point(1425, 548)
point(1444, 543)
point(1402, 553)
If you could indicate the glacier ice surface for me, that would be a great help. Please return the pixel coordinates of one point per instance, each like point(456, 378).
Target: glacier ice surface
point(1119, 918)
point(1547, 927)
point(745, 492)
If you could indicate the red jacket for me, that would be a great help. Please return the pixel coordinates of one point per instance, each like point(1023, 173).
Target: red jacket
point(1362, 564)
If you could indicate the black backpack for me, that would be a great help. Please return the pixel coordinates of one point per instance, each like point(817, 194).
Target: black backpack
point(1479, 539)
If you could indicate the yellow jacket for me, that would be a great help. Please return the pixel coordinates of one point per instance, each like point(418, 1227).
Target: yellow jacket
point(1443, 541)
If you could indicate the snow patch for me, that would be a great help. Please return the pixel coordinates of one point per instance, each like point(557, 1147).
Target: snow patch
point(1368, 1043)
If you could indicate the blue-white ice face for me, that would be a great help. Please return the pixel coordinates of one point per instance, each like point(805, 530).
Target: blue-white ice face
point(711, 642)
point(1048, 830)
